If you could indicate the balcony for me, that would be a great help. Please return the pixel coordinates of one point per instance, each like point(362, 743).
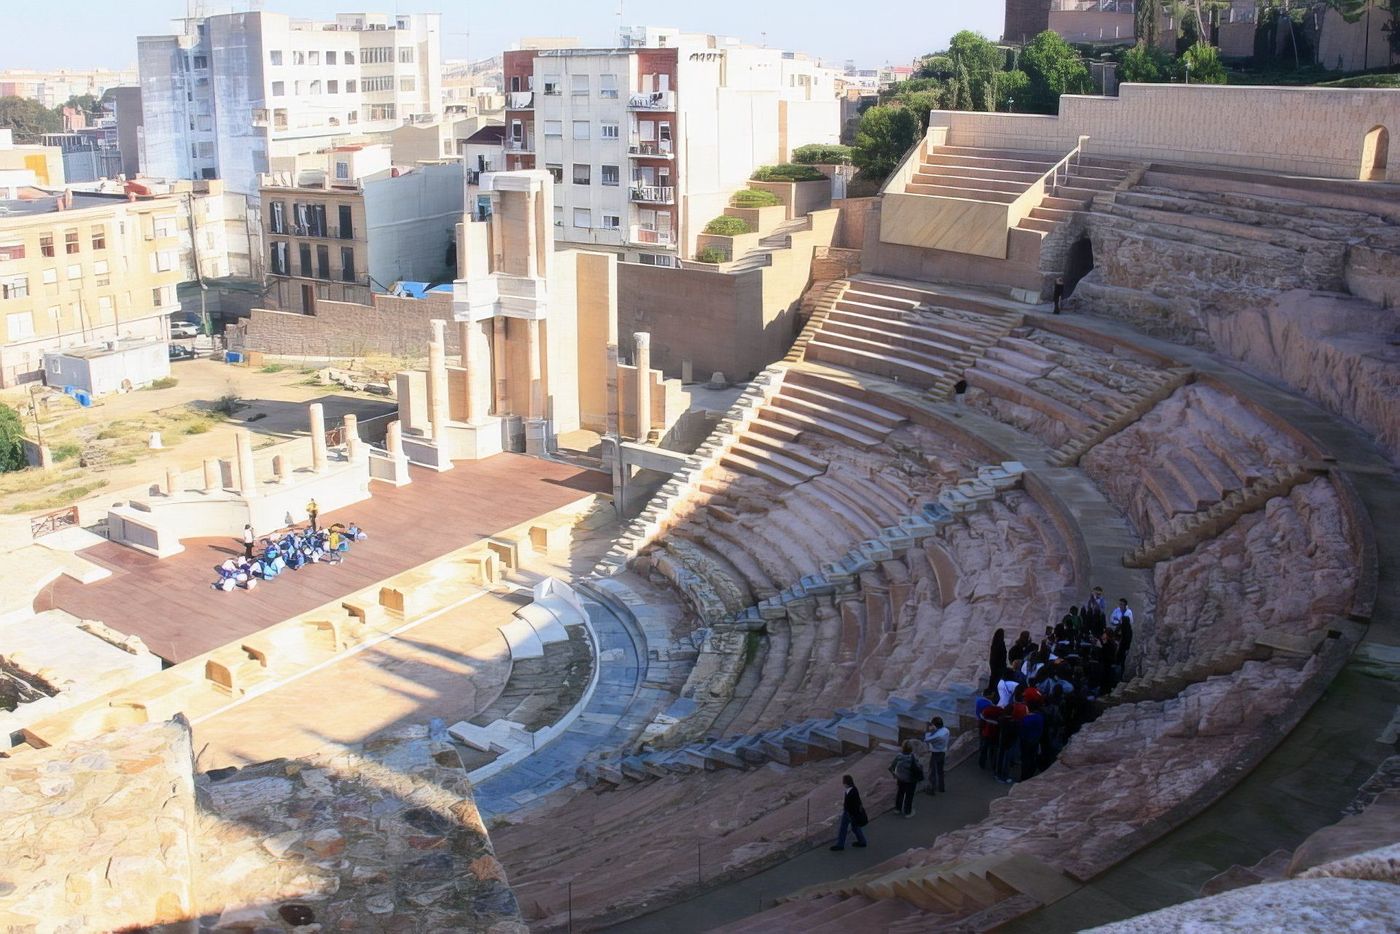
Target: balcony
point(653, 194)
point(652, 100)
point(651, 149)
point(645, 236)
point(520, 100)
point(520, 145)
point(319, 233)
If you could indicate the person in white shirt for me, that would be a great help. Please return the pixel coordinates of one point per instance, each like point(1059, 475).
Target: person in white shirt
point(937, 736)
point(1120, 613)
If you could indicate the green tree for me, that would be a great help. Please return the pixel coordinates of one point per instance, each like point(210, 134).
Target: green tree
point(11, 433)
point(921, 103)
point(980, 56)
point(1204, 62)
point(29, 119)
point(85, 103)
point(1053, 69)
point(1146, 19)
point(1144, 64)
point(885, 135)
point(1013, 88)
point(939, 65)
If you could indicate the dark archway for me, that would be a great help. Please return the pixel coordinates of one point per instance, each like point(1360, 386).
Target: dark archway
point(1078, 264)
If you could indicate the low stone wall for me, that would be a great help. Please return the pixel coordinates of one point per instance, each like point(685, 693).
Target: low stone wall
point(398, 326)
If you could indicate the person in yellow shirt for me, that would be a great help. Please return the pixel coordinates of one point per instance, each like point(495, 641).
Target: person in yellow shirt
point(311, 511)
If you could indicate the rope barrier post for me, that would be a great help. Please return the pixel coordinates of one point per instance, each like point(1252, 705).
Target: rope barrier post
point(699, 875)
point(571, 906)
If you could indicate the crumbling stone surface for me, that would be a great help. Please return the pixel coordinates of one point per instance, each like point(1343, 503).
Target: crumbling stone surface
point(1298, 905)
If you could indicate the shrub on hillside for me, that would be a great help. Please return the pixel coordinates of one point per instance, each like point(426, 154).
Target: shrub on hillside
point(11, 445)
point(787, 172)
point(726, 226)
point(822, 153)
point(710, 255)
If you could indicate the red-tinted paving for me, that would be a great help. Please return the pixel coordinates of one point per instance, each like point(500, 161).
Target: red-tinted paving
point(170, 605)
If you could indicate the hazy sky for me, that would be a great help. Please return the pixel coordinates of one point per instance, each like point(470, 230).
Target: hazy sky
point(102, 33)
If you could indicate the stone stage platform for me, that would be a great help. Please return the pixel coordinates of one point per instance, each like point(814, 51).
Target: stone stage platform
point(170, 605)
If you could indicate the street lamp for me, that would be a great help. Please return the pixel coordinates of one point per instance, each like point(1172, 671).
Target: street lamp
point(1188, 72)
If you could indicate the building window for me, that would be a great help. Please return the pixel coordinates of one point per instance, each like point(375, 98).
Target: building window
point(379, 55)
point(298, 58)
point(274, 57)
point(582, 171)
point(349, 58)
point(279, 258)
point(342, 170)
point(583, 218)
point(164, 227)
point(279, 89)
point(381, 83)
point(557, 171)
point(551, 85)
point(406, 56)
point(582, 129)
point(332, 87)
point(12, 249)
point(46, 245)
point(99, 238)
point(157, 298)
point(382, 111)
point(330, 58)
point(313, 58)
point(75, 272)
point(611, 176)
point(20, 327)
point(350, 87)
point(304, 258)
point(50, 276)
point(323, 261)
point(607, 86)
point(352, 117)
point(165, 261)
point(104, 308)
point(70, 242)
point(277, 217)
point(316, 87)
point(347, 264)
point(612, 222)
point(551, 128)
point(407, 84)
point(579, 85)
point(201, 61)
point(608, 129)
point(14, 287)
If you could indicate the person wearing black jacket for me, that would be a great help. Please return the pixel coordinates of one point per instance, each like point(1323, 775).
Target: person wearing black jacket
point(853, 816)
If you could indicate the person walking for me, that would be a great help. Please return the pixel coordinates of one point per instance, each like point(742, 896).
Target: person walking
point(996, 659)
point(248, 542)
point(853, 817)
point(312, 510)
point(907, 775)
point(1059, 292)
point(937, 736)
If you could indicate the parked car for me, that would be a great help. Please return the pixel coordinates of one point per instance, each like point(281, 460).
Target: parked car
point(181, 352)
point(184, 329)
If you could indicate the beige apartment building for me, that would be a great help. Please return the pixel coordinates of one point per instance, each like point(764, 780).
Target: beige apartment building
point(81, 270)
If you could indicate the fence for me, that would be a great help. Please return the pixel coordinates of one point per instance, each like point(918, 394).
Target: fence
point(39, 526)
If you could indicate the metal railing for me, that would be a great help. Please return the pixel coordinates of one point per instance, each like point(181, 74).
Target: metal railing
point(650, 148)
point(655, 194)
point(650, 237)
point(1045, 185)
point(652, 100)
point(520, 145)
point(47, 524)
point(520, 100)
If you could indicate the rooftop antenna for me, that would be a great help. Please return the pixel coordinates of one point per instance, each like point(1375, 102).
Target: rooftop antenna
point(621, 39)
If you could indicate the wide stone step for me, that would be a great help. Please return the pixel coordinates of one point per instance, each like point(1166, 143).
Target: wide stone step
point(1012, 391)
point(841, 352)
point(1037, 224)
point(952, 177)
point(765, 455)
point(762, 468)
point(775, 430)
point(963, 192)
point(901, 342)
point(1008, 160)
point(878, 423)
point(806, 422)
point(1051, 214)
point(829, 393)
point(787, 449)
point(1008, 175)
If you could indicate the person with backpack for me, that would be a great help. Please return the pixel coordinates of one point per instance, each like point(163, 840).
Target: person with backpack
point(907, 775)
point(853, 817)
point(936, 736)
point(1007, 744)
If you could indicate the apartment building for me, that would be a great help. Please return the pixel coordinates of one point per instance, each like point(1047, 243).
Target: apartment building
point(345, 223)
point(81, 269)
point(237, 91)
point(648, 141)
point(52, 88)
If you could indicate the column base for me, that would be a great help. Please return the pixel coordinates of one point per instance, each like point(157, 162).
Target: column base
point(475, 440)
point(537, 436)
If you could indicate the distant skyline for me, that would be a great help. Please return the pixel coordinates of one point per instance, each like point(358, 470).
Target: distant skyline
point(102, 34)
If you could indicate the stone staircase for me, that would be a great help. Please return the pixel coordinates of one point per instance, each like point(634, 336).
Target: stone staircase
point(1134, 405)
point(904, 333)
point(848, 731)
point(1210, 522)
point(1169, 681)
point(779, 239)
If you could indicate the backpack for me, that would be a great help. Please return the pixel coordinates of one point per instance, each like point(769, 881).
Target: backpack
point(1006, 727)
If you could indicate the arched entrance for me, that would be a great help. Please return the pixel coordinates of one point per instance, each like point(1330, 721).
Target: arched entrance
point(1375, 153)
point(1078, 264)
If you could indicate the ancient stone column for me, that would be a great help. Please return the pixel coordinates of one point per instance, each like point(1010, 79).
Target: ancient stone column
point(437, 382)
point(614, 417)
point(532, 352)
point(642, 345)
point(247, 474)
point(498, 354)
point(318, 437)
point(172, 481)
point(471, 362)
point(352, 437)
point(213, 476)
point(394, 439)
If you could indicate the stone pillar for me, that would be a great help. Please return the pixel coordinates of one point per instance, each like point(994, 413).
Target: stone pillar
point(247, 475)
point(172, 481)
point(531, 235)
point(472, 363)
point(352, 437)
point(279, 467)
point(437, 382)
point(498, 357)
point(213, 476)
point(318, 437)
point(614, 412)
point(532, 352)
point(394, 439)
point(643, 360)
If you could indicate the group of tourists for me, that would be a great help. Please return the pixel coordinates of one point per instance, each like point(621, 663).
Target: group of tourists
point(1038, 695)
point(293, 550)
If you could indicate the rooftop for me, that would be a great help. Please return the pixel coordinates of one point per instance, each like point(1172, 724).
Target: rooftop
point(93, 351)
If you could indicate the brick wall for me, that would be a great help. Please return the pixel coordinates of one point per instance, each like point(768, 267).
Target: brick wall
point(397, 326)
point(834, 263)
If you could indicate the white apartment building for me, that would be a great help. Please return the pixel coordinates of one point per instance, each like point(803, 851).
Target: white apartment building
point(648, 141)
point(237, 91)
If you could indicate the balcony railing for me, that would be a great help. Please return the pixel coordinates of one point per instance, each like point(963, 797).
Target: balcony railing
point(520, 145)
point(651, 149)
point(654, 194)
point(520, 100)
point(645, 236)
point(302, 230)
point(652, 100)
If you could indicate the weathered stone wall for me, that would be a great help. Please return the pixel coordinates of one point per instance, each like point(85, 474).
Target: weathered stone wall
point(398, 326)
point(835, 263)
